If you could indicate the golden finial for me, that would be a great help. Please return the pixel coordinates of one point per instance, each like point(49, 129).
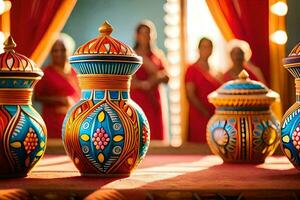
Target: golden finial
point(9, 44)
point(105, 28)
point(243, 75)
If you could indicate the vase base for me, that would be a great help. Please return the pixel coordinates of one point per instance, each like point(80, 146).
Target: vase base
point(6, 176)
point(254, 162)
point(105, 175)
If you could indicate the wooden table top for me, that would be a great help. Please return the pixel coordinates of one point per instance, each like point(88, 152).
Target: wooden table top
point(188, 175)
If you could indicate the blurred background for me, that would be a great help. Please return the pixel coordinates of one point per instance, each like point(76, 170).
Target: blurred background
point(180, 24)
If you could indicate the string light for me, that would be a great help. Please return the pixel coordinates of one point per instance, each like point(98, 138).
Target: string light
point(4, 6)
point(279, 37)
point(280, 8)
point(172, 43)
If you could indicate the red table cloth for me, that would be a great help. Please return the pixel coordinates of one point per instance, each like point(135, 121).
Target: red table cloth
point(161, 177)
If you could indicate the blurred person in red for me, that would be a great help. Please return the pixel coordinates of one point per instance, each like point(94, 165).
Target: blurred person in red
point(145, 83)
point(58, 90)
point(199, 82)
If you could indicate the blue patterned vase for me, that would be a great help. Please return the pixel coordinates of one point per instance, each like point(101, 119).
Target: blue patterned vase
point(243, 128)
point(22, 130)
point(105, 133)
point(290, 126)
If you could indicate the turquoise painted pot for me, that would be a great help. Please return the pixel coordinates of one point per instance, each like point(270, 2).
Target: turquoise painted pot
point(105, 133)
point(22, 130)
point(243, 128)
point(290, 128)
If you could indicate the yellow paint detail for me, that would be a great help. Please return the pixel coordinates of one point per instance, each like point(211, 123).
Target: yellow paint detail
point(286, 139)
point(101, 158)
point(42, 144)
point(130, 161)
point(40, 153)
point(118, 138)
point(76, 160)
point(85, 137)
point(129, 111)
point(101, 116)
point(288, 153)
point(16, 144)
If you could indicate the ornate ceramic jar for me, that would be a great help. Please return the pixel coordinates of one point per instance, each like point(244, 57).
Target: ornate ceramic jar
point(290, 126)
point(105, 133)
point(243, 128)
point(22, 130)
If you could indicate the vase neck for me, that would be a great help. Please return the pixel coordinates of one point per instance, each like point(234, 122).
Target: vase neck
point(297, 83)
point(99, 95)
point(104, 82)
point(15, 96)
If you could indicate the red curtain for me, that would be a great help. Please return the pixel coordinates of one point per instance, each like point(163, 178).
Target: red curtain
point(29, 22)
point(249, 21)
point(35, 23)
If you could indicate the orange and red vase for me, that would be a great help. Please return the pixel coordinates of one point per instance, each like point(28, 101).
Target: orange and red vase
point(105, 133)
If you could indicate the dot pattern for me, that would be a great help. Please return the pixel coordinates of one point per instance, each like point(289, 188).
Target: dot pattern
point(31, 141)
point(296, 137)
point(145, 134)
point(100, 139)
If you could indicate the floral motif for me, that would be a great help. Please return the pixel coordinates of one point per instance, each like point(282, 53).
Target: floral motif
point(265, 137)
point(100, 139)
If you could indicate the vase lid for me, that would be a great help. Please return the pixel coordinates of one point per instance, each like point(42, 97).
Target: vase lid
point(292, 61)
point(105, 55)
point(12, 62)
point(243, 92)
point(105, 44)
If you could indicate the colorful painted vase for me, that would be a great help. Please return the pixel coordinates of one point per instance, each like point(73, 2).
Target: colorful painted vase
point(22, 130)
point(290, 126)
point(105, 133)
point(243, 128)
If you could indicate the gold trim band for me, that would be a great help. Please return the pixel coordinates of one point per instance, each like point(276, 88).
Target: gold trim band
point(297, 64)
point(104, 81)
point(99, 60)
point(15, 96)
point(297, 83)
point(242, 112)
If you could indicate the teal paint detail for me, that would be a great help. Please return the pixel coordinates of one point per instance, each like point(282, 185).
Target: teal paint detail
point(248, 86)
point(114, 95)
point(15, 83)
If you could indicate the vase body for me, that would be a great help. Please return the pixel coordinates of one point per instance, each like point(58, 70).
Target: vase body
point(243, 136)
point(243, 128)
point(290, 125)
point(22, 130)
point(105, 133)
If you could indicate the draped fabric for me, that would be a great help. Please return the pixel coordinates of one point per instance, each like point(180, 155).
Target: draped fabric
point(34, 25)
point(246, 20)
point(253, 22)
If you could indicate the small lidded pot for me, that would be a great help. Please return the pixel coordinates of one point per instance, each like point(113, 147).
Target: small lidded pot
point(106, 133)
point(243, 128)
point(22, 130)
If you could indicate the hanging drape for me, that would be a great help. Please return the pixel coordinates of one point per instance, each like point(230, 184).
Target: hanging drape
point(246, 20)
point(253, 22)
point(34, 25)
